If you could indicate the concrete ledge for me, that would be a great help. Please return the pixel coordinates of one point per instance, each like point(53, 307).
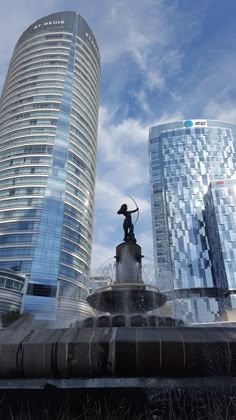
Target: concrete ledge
point(168, 384)
point(118, 352)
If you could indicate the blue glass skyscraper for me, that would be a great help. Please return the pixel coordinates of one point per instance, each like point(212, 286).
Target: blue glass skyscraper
point(220, 218)
point(48, 131)
point(184, 157)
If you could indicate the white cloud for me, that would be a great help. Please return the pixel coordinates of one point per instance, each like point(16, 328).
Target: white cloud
point(101, 254)
point(115, 135)
point(224, 111)
point(150, 34)
point(110, 197)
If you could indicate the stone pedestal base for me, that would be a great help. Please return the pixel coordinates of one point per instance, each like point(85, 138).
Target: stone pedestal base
point(128, 263)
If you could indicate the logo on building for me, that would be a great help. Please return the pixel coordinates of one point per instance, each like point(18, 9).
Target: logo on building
point(51, 22)
point(188, 123)
point(195, 123)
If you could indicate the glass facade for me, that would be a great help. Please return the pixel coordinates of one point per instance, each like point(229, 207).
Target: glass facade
point(220, 217)
point(11, 291)
point(48, 133)
point(184, 157)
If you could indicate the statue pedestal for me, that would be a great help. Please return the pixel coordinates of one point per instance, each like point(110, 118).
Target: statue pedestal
point(128, 263)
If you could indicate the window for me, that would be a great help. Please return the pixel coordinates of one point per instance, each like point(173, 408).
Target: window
point(41, 290)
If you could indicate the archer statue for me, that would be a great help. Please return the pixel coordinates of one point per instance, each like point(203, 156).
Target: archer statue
point(128, 225)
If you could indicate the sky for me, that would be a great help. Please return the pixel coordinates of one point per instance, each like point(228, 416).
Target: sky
point(161, 61)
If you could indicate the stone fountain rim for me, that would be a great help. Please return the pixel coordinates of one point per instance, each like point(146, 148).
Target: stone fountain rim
point(107, 299)
point(131, 286)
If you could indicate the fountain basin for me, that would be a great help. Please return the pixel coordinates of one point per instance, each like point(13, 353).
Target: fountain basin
point(127, 298)
point(131, 352)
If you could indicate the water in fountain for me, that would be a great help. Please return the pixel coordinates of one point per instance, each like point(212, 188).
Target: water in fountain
point(107, 272)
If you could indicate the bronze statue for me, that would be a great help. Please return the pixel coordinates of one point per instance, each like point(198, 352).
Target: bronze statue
point(127, 225)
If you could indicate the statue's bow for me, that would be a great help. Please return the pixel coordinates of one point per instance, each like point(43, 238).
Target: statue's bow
point(137, 208)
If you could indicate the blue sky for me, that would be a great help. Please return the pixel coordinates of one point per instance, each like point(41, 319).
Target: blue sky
point(161, 60)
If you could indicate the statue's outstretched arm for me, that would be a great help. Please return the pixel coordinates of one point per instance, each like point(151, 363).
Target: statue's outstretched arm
point(133, 211)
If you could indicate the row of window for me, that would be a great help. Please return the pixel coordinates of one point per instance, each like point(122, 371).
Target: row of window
point(69, 290)
point(80, 101)
point(17, 265)
point(73, 235)
point(27, 150)
point(81, 48)
point(53, 84)
point(33, 58)
point(28, 132)
point(87, 140)
point(25, 213)
point(35, 80)
point(81, 82)
point(35, 180)
point(79, 151)
point(30, 91)
point(30, 106)
point(85, 118)
point(82, 62)
point(52, 114)
point(77, 227)
point(10, 284)
point(16, 252)
point(81, 91)
point(63, 37)
point(79, 69)
point(54, 64)
point(43, 160)
point(75, 248)
point(73, 260)
point(21, 191)
point(28, 99)
point(77, 215)
point(80, 163)
point(28, 123)
point(20, 202)
point(75, 202)
point(27, 139)
point(75, 176)
point(35, 289)
point(71, 273)
point(5, 173)
point(43, 44)
point(19, 225)
point(77, 191)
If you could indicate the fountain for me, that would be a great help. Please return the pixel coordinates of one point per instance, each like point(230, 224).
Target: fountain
point(129, 299)
point(121, 351)
point(128, 294)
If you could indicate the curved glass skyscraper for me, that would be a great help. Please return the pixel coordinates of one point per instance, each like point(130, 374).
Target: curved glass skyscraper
point(185, 157)
point(48, 131)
